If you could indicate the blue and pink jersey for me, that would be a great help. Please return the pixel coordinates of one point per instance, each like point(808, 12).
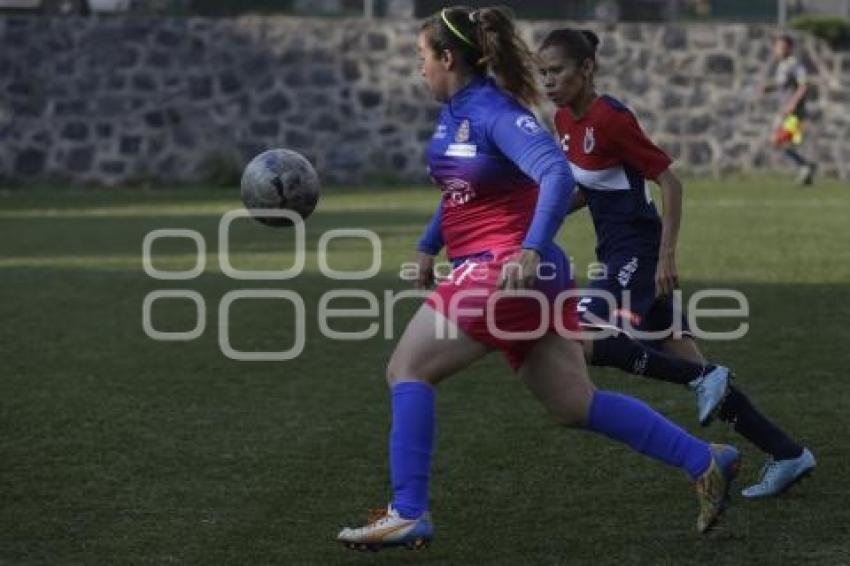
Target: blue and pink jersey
point(505, 185)
point(491, 158)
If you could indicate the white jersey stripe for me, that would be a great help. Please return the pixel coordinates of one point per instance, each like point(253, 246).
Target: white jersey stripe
point(611, 179)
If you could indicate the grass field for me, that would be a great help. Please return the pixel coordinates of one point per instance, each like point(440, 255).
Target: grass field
point(118, 449)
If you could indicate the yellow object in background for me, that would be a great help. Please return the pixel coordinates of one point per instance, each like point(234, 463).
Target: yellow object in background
point(791, 131)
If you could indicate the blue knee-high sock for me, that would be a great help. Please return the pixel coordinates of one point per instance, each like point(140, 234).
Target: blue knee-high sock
point(411, 444)
point(632, 422)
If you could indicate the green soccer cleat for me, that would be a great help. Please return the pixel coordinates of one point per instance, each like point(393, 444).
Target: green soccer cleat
point(713, 486)
point(385, 528)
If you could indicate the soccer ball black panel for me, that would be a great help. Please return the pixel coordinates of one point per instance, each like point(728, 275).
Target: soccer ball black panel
point(280, 179)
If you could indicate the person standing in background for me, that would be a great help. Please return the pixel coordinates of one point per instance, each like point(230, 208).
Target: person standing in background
point(789, 79)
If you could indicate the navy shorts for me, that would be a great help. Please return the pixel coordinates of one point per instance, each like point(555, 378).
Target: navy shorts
point(630, 283)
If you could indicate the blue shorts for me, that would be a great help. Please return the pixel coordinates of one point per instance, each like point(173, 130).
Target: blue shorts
point(630, 283)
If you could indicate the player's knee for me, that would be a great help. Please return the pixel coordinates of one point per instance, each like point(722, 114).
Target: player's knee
point(568, 418)
point(573, 414)
point(398, 369)
point(395, 371)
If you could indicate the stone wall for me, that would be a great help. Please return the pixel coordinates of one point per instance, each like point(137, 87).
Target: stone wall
point(114, 100)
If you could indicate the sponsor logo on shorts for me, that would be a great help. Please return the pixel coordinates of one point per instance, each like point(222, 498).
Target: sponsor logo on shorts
point(624, 277)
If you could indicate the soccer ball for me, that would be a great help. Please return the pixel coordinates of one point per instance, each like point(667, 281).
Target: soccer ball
point(280, 179)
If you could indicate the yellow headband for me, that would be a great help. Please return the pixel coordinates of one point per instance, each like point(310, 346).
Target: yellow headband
point(456, 31)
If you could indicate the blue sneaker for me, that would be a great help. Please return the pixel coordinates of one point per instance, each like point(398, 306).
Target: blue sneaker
point(713, 485)
point(386, 528)
point(711, 389)
point(777, 476)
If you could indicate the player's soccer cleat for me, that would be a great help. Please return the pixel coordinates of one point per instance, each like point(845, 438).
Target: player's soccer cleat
point(806, 175)
point(777, 476)
point(386, 528)
point(713, 486)
point(711, 389)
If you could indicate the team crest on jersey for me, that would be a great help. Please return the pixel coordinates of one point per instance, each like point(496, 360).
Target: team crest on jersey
point(589, 140)
point(528, 125)
point(440, 133)
point(462, 134)
point(565, 143)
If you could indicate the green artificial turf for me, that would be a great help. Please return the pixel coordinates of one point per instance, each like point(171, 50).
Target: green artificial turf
point(119, 449)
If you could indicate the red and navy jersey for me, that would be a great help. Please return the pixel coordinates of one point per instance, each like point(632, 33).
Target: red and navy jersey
point(611, 159)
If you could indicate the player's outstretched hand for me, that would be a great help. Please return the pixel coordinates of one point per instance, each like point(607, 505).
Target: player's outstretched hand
point(425, 278)
point(666, 275)
point(520, 273)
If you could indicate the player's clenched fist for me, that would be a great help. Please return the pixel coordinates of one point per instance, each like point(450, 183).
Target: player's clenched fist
point(425, 272)
point(521, 273)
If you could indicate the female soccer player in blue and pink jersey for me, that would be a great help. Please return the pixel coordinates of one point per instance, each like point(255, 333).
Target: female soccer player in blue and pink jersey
point(506, 188)
point(611, 159)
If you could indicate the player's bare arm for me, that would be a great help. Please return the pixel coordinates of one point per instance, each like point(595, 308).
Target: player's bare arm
point(796, 98)
point(666, 274)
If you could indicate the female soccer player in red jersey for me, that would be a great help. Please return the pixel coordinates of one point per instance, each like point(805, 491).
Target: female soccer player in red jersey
point(506, 188)
point(611, 159)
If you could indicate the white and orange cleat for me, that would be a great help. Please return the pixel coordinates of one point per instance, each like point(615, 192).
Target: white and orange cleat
point(386, 528)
